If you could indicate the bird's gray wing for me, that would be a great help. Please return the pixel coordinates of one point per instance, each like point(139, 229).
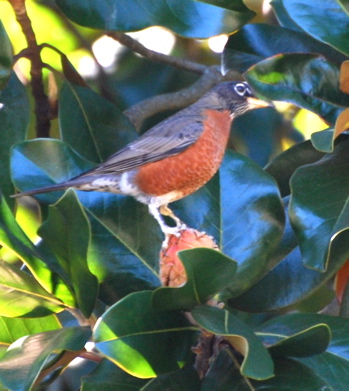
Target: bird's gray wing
point(168, 138)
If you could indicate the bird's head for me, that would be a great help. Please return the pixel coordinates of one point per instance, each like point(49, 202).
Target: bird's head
point(238, 97)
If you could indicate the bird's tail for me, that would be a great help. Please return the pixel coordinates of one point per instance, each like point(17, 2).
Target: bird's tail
point(85, 183)
point(48, 189)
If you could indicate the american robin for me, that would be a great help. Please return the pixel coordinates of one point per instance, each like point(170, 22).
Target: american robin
point(174, 158)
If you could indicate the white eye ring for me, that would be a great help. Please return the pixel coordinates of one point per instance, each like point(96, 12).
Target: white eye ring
point(241, 89)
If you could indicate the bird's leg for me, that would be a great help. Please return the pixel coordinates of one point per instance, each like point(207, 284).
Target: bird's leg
point(166, 211)
point(154, 210)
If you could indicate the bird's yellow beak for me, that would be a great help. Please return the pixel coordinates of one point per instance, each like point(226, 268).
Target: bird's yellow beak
point(256, 103)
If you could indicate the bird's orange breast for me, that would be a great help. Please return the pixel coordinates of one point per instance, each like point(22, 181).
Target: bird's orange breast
point(189, 170)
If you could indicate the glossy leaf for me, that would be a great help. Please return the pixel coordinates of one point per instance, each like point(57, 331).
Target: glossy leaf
point(185, 17)
point(142, 341)
point(208, 272)
point(21, 295)
point(13, 238)
point(289, 375)
point(256, 42)
point(323, 140)
point(288, 283)
point(332, 365)
point(307, 80)
point(41, 163)
point(311, 19)
point(94, 120)
point(118, 268)
point(283, 166)
point(186, 379)
point(252, 218)
point(318, 208)
point(14, 121)
point(254, 203)
point(257, 363)
point(109, 377)
point(67, 233)
point(12, 329)
point(283, 17)
point(307, 342)
point(21, 365)
point(5, 57)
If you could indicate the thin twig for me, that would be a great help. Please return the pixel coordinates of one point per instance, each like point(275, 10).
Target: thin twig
point(42, 106)
point(137, 47)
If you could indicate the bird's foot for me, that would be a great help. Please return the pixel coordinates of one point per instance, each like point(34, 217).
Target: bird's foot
point(166, 229)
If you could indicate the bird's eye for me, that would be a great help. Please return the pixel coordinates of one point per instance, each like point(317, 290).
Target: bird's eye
point(241, 89)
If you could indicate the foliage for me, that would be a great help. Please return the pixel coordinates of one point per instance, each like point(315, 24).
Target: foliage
point(94, 276)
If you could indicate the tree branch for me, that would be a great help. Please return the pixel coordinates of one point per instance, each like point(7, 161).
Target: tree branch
point(42, 106)
point(173, 101)
point(137, 47)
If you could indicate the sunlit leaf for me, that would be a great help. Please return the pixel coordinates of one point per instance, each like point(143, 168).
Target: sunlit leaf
point(67, 233)
point(21, 295)
point(23, 361)
point(12, 237)
point(142, 341)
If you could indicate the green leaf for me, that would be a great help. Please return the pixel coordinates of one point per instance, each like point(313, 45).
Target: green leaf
point(307, 80)
point(21, 295)
point(256, 42)
point(332, 365)
point(109, 377)
point(288, 283)
point(208, 271)
point(67, 233)
point(14, 121)
point(142, 341)
point(46, 162)
point(289, 375)
point(13, 238)
point(185, 17)
point(318, 207)
point(12, 329)
point(5, 57)
point(252, 219)
point(283, 17)
point(283, 166)
point(94, 120)
point(257, 363)
point(328, 23)
point(288, 339)
point(118, 269)
point(186, 379)
point(24, 359)
point(323, 140)
point(42, 163)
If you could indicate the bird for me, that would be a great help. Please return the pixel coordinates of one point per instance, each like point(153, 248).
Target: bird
point(174, 158)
